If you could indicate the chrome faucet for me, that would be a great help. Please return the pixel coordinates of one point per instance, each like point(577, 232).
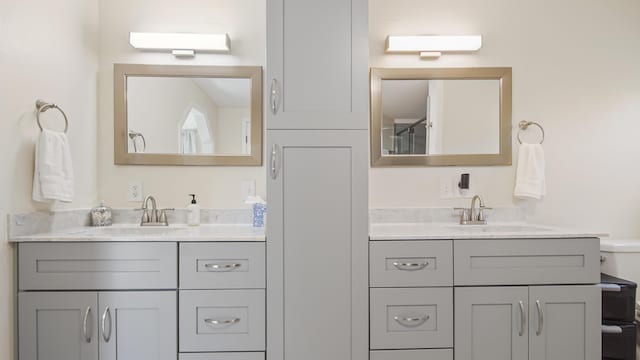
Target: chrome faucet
point(473, 215)
point(150, 217)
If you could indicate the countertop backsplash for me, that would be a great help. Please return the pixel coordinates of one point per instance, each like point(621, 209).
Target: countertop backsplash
point(441, 215)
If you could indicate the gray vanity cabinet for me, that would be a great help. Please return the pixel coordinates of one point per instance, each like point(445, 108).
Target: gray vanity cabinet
point(138, 325)
point(317, 249)
point(58, 326)
point(535, 323)
point(317, 64)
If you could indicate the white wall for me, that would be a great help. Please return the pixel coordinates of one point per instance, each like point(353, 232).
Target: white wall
point(47, 50)
point(575, 70)
point(245, 21)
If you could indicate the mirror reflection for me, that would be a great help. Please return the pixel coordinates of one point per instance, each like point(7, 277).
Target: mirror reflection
point(438, 117)
point(189, 116)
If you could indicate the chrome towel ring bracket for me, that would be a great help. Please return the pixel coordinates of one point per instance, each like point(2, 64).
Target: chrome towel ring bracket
point(524, 125)
point(43, 106)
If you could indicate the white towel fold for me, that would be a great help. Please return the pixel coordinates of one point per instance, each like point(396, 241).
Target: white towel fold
point(53, 171)
point(530, 178)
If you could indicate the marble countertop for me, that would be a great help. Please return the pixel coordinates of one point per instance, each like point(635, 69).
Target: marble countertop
point(131, 232)
point(441, 231)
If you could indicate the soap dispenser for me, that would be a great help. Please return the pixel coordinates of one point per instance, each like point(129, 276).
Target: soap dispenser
point(193, 212)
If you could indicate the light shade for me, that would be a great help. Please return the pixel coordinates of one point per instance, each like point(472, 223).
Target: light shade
point(180, 41)
point(432, 43)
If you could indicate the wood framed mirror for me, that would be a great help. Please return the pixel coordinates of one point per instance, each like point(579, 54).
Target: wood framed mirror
point(188, 115)
point(440, 117)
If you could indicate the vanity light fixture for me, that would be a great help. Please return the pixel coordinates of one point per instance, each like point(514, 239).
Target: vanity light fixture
point(432, 46)
point(181, 44)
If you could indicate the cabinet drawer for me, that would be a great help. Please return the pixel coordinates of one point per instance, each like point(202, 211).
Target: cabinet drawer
point(97, 266)
point(527, 261)
point(411, 263)
point(437, 354)
point(222, 266)
point(411, 318)
point(223, 356)
point(222, 320)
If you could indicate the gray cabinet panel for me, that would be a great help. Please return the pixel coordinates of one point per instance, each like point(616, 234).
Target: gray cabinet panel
point(565, 322)
point(222, 265)
point(411, 318)
point(491, 323)
point(435, 354)
point(97, 266)
point(223, 356)
point(222, 320)
point(138, 325)
point(317, 250)
point(526, 262)
point(319, 73)
point(411, 263)
point(52, 326)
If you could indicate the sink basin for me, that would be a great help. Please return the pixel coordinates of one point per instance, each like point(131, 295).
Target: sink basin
point(497, 228)
point(131, 231)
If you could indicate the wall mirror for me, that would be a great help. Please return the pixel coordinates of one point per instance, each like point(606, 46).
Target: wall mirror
point(440, 117)
point(188, 115)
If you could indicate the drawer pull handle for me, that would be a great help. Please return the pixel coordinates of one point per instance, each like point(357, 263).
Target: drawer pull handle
point(611, 329)
point(87, 336)
point(407, 266)
point(222, 266)
point(540, 318)
point(222, 322)
point(106, 336)
point(523, 318)
point(411, 322)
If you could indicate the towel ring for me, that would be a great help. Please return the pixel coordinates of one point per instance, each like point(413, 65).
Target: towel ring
point(525, 124)
point(43, 106)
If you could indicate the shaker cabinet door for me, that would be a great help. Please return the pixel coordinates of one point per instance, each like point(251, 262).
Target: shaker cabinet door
point(138, 325)
point(58, 326)
point(491, 323)
point(317, 64)
point(565, 323)
point(318, 245)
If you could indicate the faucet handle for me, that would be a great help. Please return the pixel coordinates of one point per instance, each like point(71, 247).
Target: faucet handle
point(163, 216)
point(464, 213)
point(481, 212)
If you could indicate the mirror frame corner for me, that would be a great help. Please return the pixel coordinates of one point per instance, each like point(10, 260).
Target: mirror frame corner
point(503, 158)
point(122, 156)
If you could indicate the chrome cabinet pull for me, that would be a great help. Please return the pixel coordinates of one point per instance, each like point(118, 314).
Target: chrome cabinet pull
point(275, 97)
point(106, 314)
point(87, 336)
point(274, 161)
point(410, 266)
point(411, 322)
point(222, 322)
point(222, 266)
point(523, 318)
point(611, 329)
point(540, 318)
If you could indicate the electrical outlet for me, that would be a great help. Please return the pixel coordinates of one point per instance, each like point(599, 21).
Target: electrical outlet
point(134, 191)
point(248, 188)
point(449, 188)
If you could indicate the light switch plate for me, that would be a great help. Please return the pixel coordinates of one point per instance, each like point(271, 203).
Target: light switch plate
point(134, 191)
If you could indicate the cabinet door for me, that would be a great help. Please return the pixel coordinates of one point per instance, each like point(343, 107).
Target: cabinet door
point(565, 323)
point(138, 325)
point(490, 323)
point(317, 249)
point(317, 64)
point(58, 326)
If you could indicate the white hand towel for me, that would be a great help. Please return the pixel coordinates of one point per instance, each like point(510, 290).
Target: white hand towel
point(530, 178)
point(53, 171)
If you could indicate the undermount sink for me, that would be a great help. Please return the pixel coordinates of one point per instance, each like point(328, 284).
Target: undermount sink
point(497, 228)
